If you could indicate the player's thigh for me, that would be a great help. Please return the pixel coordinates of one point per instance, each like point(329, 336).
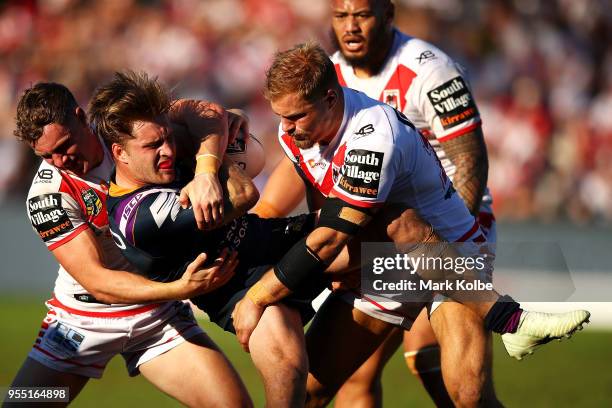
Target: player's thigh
point(278, 340)
point(338, 341)
point(420, 335)
point(466, 349)
point(34, 374)
point(197, 373)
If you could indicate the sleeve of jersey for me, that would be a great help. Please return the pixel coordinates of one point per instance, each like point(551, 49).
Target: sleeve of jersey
point(446, 102)
point(56, 217)
point(369, 168)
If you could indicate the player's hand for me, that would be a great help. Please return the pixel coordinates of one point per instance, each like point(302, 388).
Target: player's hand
point(246, 316)
point(238, 124)
point(205, 194)
point(199, 279)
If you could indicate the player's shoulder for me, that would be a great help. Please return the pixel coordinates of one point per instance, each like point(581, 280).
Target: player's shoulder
point(372, 121)
point(336, 58)
point(152, 203)
point(47, 180)
point(421, 56)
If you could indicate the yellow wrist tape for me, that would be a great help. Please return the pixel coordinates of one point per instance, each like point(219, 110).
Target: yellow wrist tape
point(266, 210)
point(260, 295)
point(207, 163)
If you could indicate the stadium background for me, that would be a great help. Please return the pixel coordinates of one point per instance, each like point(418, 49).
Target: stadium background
point(541, 71)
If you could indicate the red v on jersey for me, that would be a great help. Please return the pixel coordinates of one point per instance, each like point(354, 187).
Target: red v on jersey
point(396, 89)
point(394, 92)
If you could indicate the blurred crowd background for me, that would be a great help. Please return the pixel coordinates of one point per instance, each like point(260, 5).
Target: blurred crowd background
point(541, 71)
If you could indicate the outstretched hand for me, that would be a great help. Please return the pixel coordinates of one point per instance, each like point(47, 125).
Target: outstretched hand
point(199, 279)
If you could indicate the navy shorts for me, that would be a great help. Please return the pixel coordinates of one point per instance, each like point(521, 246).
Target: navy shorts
point(265, 242)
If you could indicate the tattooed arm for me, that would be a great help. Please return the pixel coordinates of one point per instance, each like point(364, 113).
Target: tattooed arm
point(468, 153)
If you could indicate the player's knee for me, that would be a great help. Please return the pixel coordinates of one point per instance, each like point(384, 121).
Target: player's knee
point(466, 396)
point(466, 390)
point(285, 363)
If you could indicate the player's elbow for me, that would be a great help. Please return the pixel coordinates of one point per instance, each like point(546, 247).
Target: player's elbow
point(103, 296)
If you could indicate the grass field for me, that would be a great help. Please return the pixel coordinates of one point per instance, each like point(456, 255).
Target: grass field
point(568, 374)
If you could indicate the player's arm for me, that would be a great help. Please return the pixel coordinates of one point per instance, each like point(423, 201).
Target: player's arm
point(311, 256)
point(338, 223)
point(468, 153)
point(238, 187)
point(458, 129)
point(202, 130)
point(283, 192)
point(206, 128)
point(83, 258)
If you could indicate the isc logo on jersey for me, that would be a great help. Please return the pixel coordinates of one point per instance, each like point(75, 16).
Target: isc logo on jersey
point(47, 216)
point(361, 173)
point(453, 102)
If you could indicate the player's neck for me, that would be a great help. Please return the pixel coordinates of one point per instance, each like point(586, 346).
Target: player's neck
point(125, 180)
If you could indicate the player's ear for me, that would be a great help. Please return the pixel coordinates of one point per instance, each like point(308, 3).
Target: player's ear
point(119, 153)
point(331, 98)
point(80, 114)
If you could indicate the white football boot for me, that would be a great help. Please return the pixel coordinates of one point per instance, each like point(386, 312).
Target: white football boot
point(536, 329)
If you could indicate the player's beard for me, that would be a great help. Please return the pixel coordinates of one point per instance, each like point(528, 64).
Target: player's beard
point(374, 52)
point(302, 142)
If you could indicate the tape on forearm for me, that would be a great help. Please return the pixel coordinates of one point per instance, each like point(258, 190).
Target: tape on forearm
point(298, 266)
point(207, 163)
point(266, 209)
point(341, 216)
point(259, 294)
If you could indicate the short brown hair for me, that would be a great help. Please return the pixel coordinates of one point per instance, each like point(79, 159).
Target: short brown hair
point(40, 105)
point(305, 69)
point(130, 96)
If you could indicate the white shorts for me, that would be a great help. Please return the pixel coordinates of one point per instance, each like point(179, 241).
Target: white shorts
point(396, 313)
point(403, 314)
point(82, 343)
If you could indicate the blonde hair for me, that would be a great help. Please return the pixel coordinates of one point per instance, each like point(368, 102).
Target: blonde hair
point(305, 69)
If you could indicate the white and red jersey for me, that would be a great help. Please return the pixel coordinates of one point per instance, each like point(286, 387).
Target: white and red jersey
point(378, 157)
point(427, 86)
point(60, 206)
